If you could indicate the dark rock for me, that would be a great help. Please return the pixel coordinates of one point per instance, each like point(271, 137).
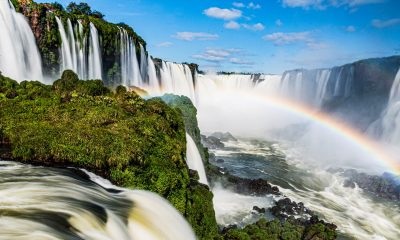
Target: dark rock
point(211, 142)
point(285, 208)
point(258, 209)
point(386, 186)
point(227, 228)
point(225, 137)
point(219, 160)
point(251, 186)
point(194, 175)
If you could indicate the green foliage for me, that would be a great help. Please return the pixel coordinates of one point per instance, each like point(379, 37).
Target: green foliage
point(200, 211)
point(79, 9)
point(133, 142)
point(57, 6)
point(276, 230)
point(189, 113)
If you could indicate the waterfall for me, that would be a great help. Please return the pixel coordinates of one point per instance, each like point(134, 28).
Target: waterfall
point(95, 67)
point(130, 72)
point(81, 46)
point(388, 126)
point(177, 79)
point(49, 203)
point(66, 53)
point(19, 55)
point(194, 160)
point(74, 53)
point(143, 64)
point(152, 76)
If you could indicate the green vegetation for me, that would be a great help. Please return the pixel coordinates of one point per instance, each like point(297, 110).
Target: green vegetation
point(276, 230)
point(42, 20)
point(133, 142)
point(189, 113)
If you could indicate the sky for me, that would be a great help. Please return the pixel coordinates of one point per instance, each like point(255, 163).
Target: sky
point(263, 36)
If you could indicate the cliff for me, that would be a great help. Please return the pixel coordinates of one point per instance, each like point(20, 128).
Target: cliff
point(357, 92)
point(130, 141)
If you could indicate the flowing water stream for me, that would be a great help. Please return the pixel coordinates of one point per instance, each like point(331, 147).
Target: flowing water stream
point(50, 203)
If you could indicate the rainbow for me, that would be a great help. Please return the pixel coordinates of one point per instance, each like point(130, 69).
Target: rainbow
point(359, 139)
point(356, 137)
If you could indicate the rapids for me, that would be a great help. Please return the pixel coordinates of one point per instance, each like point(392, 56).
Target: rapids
point(50, 203)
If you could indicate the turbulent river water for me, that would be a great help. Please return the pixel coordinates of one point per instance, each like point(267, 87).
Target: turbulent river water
point(357, 214)
point(49, 203)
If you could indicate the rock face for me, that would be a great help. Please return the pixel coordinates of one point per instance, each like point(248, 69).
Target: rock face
point(225, 137)
point(363, 85)
point(212, 142)
point(132, 142)
point(245, 186)
point(386, 186)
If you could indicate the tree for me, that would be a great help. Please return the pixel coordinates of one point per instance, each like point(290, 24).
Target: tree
point(81, 8)
point(57, 6)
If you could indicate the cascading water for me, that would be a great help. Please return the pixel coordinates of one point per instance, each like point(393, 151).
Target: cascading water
point(388, 126)
point(130, 72)
point(47, 203)
point(194, 160)
point(152, 75)
point(19, 55)
point(177, 79)
point(94, 60)
point(74, 53)
point(143, 64)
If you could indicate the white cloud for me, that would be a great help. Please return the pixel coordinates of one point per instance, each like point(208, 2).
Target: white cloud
point(238, 4)
point(223, 13)
point(164, 44)
point(239, 61)
point(254, 27)
point(218, 52)
point(385, 23)
point(232, 25)
point(323, 4)
point(251, 5)
point(214, 55)
point(278, 23)
point(354, 3)
point(303, 3)
point(350, 28)
point(219, 55)
point(254, 6)
point(208, 58)
point(280, 38)
point(190, 36)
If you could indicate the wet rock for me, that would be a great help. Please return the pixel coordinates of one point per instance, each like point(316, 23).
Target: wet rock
point(285, 208)
point(227, 228)
point(194, 175)
point(220, 160)
point(211, 142)
point(258, 209)
point(225, 137)
point(386, 186)
point(251, 186)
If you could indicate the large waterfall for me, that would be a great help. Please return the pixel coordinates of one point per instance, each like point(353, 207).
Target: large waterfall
point(19, 55)
point(388, 126)
point(78, 52)
point(47, 203)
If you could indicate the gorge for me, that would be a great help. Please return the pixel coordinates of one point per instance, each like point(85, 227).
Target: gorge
point(291, 130)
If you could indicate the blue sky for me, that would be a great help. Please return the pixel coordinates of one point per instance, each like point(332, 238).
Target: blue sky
point(267, 36)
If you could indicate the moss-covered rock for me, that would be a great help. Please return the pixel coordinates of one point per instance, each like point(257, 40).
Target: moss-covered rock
point(132, 142)
point(276, 230)
point(189, 113)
